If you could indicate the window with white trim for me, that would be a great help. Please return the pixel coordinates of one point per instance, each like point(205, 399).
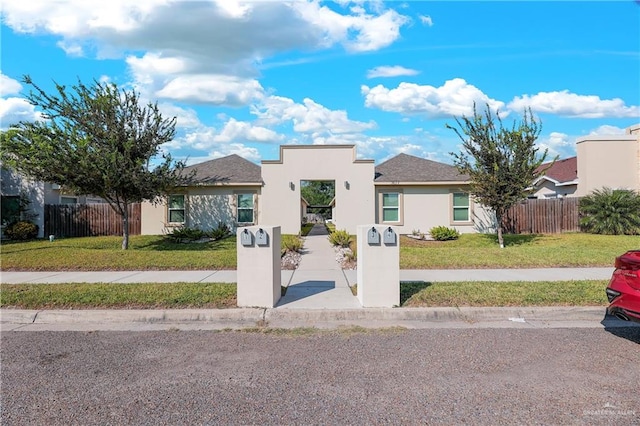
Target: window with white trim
point(461, 207)
point(390, 207)
point(175, 208)
point(244, 208)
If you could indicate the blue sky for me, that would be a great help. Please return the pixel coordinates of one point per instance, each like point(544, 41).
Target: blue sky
point(246, 77)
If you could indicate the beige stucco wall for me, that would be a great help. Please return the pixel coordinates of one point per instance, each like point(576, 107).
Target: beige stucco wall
point(608, 161)
point(13, 184)
point(280, 201)
point(205, 207)
point(423, 207)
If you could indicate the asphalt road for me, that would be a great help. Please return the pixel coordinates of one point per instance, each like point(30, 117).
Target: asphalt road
point(435, 376)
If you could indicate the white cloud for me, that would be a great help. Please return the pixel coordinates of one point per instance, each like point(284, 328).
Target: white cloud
point(308, 117)
point(568, 104)
point(13, 110)
point(185, 117)
point(426, 20)
point(605, 130)
point(559, 144)
point(390, 71)
point(9, 86)
point(212, 89)
point(454, 98)
point(246, 152)
point(235, 130)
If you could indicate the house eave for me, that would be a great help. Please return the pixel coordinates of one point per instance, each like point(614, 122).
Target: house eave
point(430, 183)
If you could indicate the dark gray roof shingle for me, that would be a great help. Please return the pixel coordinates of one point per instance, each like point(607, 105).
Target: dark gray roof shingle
point(229, 169)
point(407, 168)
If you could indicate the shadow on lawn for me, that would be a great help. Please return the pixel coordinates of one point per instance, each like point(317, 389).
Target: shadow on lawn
point(513, 239)
point(409, 288)
point(228, 243)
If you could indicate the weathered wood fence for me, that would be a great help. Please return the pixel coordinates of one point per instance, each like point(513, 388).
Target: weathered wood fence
point(86, 220)
point(546, 216)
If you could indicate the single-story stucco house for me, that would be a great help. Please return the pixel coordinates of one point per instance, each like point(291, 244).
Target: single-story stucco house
point(408, 192)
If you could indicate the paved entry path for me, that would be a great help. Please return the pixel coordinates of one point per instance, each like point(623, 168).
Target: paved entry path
point(318, 282)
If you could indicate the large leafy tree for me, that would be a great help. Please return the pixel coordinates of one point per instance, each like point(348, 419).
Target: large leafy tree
point(501, 162)
point(96, 139)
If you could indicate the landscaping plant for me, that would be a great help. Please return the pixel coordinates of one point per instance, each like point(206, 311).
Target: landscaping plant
point(442, 233)
point(611, 212)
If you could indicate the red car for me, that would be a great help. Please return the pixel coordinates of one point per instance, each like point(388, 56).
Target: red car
point(623, 291)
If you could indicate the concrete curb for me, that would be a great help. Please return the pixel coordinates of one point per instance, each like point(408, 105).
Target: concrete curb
point(242, 318)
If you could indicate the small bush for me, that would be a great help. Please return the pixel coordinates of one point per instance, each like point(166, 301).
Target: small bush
point(21, 231)
point(340, 238)
point(442, 233)
point(291, 243)
point(185, 234)
point(220, 232)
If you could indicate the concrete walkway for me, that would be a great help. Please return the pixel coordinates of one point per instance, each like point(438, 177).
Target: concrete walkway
point(319, 282)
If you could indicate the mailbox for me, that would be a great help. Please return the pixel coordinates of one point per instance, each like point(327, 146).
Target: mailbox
point(373, 236)
point(389, 236)
point(262, 238)
point(246, 238)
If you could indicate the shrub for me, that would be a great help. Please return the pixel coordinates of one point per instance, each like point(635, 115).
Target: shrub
point(220, 232)
point(340, 238)
point(611, 212)
point(442, 233)
point(184, 234)
point(21, 230)
point(291, 243)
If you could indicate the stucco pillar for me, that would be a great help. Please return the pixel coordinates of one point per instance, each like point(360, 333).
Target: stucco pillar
point(378, 266)
point(258, 272)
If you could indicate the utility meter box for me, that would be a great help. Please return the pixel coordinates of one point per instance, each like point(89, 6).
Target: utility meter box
point(262, 238)
point(389, 236)
point(246, 238)
point(373, 236)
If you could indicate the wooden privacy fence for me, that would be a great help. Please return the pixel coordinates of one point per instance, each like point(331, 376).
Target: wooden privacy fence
point(87, 220)
point(547, 216)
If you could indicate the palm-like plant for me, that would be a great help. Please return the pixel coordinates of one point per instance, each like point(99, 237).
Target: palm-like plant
point(611, 212)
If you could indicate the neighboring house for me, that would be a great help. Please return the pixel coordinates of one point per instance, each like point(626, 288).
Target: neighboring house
point(405, 191)
point(560, 180)
point(609, 161)
point(14, 186)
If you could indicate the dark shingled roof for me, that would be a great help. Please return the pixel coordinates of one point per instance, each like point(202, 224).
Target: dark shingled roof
point(407, 168)
point(562, 170)
point(229, 169)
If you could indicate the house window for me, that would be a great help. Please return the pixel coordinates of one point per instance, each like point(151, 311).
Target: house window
point(391, 207)
point(461, 207)
point(244, 210)
point(176, 208)
point(10, 208)
point(68, 200)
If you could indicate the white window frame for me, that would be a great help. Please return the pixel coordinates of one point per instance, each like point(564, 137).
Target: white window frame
point(454, 207)
point(183, 209)
point(399, 208)
point(237, 196)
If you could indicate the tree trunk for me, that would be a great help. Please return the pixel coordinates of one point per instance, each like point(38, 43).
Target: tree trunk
point(125, 227)
point(499, 226)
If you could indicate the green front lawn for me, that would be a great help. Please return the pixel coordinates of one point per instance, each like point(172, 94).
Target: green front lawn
point(114, 296)
point(473, 251)
point(218, 295)
point(469, 251)
point(482, 294)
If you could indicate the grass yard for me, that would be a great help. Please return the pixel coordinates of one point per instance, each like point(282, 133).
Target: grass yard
point(148, 252)
point(473, 251)
point(483, 294)
point(114, 296)
point(220, 295)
